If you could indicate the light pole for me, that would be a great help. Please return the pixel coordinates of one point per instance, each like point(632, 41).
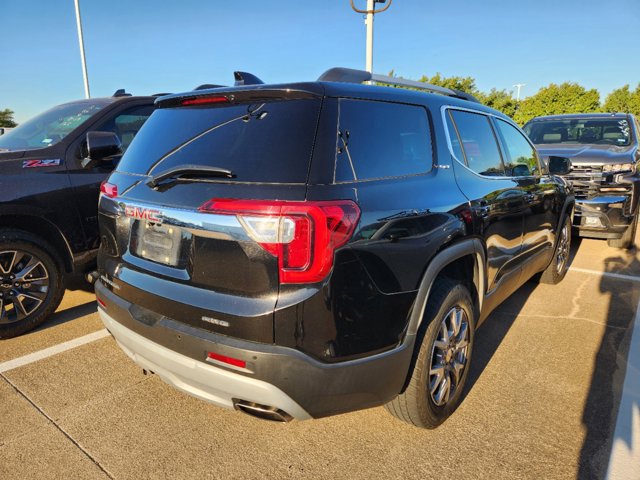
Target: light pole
point(370, 12)
point(85, 76)
point(519, 86)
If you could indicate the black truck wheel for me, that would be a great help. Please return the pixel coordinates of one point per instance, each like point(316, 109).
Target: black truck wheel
point(559, 265)
point(31, 285)
point(442, 365)
point(627, 241)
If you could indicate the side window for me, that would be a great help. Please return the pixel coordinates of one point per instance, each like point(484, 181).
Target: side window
point(522, 157)
point(381, 140)
point(127, 123)
point(479, 146)
point(455, 140)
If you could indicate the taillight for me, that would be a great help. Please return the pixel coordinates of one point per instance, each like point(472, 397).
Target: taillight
point(302, 235)
point(204, 100)
point(109, 189)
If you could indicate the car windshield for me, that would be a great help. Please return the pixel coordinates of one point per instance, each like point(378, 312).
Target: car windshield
point(598, 131)
point(50, 127)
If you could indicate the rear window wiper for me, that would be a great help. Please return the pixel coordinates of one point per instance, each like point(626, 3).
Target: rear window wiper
point(193, 171)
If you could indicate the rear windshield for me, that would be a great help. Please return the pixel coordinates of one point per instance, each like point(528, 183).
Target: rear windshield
point(609, 131)
point(268, 142)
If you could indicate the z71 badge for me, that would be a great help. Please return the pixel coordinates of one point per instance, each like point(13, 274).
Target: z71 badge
point(49, 162)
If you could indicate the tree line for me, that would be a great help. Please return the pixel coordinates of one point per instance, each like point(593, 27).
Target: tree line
point(567, 97)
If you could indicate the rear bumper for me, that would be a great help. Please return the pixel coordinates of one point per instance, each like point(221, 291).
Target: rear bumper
point(603, 216)
point(206, 382)
point(276, 376)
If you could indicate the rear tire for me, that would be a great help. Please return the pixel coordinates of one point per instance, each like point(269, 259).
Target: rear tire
point(627, 241)
point(442, 365)
point(31, 283)
point(559, 265)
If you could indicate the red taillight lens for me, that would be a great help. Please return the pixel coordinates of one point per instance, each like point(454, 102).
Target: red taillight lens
point(303, 235)
point(101, 303)
point(204, 100)
point(229, 360)
point(109, 189)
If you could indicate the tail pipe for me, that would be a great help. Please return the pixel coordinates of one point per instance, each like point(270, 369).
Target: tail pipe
point(263, 412)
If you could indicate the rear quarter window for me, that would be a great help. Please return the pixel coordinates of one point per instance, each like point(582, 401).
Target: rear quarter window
point(268, 142)
point(380, 140)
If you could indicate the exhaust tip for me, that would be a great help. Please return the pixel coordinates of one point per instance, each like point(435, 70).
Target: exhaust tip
point(264, 412)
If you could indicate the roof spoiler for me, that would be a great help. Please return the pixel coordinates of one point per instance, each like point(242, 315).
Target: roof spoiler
point(121, 93)
point(350, 75)
point(244, 78)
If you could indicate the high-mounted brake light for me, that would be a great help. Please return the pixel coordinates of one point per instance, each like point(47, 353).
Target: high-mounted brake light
point(109, 189)
point(302, 235)
point(204, 100)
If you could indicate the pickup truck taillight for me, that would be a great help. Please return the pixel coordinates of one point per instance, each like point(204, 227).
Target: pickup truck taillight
point(302, 235)
point(109, 189)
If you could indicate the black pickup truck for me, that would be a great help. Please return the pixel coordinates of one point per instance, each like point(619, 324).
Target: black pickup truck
point(49, 191)
point(604, 155)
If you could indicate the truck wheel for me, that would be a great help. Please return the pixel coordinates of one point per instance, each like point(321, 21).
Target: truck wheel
point(628, 238)
point(31, 285)
point(442, 365)
point(559, 265)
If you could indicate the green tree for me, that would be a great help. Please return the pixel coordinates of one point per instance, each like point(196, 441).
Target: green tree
point(623, 100)
point(6, 118)
point(465, 84)
point(556, 99)
point(501, 100)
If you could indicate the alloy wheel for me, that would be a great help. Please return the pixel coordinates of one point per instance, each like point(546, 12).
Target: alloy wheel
point(449, 356)
point(563, 249)
point(24, 283)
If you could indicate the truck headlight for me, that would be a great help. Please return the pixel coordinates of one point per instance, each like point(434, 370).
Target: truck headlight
point(619, 168)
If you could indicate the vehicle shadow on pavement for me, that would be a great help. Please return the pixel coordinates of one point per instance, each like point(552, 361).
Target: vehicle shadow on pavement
point(601, 407)
point(493, 331)
point(68, 315)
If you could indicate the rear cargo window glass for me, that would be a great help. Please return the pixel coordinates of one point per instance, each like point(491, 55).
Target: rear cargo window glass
point(266, 142)
point(479, 144)
point(522, 158)
point(381, 140)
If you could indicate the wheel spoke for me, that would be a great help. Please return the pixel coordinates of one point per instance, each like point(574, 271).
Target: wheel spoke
point(36, 296)
point(435, 383)
point(458, 367)
point(440, 345)
point(34, 262)
point(456, 320)
point(18, 306)
point(445, 390)
point(11, 256)
point(445, 331)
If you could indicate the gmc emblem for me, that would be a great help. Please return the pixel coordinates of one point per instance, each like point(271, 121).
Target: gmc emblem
point(149, 214)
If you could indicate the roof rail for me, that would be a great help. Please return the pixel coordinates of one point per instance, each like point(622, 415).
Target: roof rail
point(350, 75)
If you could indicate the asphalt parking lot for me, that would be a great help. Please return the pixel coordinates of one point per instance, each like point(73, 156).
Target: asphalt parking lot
point(545, 387)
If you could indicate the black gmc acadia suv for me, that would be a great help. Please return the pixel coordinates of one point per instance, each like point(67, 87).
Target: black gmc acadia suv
point(604, 156)
point(306, 249)
point(49, 200)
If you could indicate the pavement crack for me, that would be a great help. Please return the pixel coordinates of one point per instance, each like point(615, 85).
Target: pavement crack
point(576, 298)
point(58, 427)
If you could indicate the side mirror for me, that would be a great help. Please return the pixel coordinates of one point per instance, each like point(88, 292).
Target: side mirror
point(559, 165)
point(101, 146)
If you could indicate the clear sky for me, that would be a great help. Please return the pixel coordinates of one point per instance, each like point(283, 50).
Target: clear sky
point(155, 46)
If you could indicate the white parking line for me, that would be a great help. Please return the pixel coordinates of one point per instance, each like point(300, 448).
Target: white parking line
point(48, 352)
point(620, 276)
point(624, 462)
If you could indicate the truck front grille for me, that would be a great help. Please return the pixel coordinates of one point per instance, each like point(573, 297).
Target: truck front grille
point(586, 180)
